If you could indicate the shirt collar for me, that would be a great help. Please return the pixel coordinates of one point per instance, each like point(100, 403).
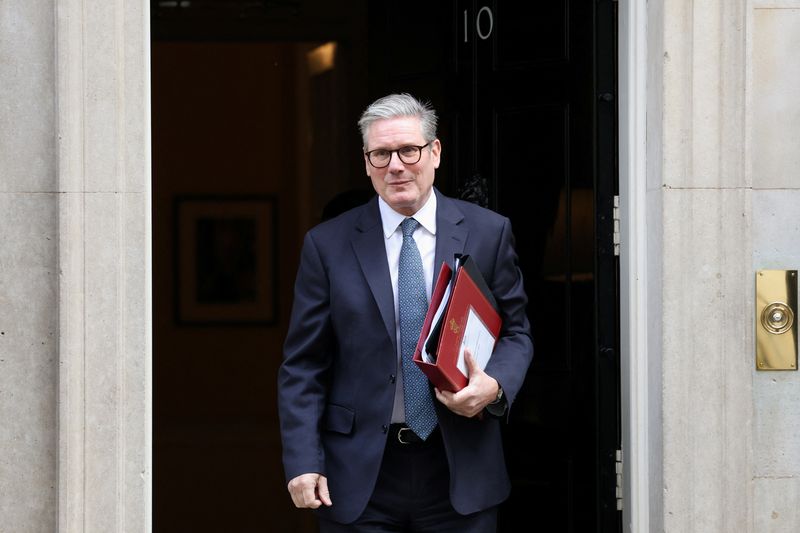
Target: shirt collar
point(426, 216)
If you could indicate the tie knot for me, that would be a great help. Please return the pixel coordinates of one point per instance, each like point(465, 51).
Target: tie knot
point(408, 226)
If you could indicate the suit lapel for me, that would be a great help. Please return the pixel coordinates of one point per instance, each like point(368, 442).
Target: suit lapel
point(371, 253)
point(451, 232)
point(370, 249)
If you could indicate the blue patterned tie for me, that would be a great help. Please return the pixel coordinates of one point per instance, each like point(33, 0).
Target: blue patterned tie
point(420, 413)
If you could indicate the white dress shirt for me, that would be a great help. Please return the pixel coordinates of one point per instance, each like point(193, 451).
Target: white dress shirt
point(425, 237)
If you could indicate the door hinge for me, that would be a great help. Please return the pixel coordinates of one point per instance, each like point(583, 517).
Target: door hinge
point(616, 226)
point(620, 476)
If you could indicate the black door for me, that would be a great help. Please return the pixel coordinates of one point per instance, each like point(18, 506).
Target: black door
point(526, 91)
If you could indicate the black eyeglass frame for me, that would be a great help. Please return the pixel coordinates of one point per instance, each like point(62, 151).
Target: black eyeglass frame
point(397, 151)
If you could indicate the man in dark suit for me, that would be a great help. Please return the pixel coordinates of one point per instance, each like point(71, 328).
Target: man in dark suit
point(366, 441)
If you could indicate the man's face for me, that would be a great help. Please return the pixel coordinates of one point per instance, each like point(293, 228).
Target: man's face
point(404, 187)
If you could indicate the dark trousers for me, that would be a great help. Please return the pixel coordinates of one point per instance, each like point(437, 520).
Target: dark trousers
point(412, 494)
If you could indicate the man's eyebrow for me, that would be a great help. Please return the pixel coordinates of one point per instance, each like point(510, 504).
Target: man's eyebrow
point(399, 146)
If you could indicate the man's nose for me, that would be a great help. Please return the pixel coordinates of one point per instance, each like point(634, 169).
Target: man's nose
point(395, 164)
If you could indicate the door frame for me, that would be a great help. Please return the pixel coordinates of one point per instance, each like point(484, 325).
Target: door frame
point(639, 299)
point(640, 276)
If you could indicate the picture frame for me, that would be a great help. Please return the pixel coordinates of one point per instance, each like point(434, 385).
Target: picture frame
point(226, 260)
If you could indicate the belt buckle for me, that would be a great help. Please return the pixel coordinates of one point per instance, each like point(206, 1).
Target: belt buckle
point(400, 435)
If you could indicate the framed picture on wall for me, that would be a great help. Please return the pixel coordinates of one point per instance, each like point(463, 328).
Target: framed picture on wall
point(226, 260)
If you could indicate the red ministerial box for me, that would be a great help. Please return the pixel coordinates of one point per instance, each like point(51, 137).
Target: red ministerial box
point(462, 313)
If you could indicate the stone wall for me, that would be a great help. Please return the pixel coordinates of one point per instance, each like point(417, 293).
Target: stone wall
point(774, 155)
point(28, 269)
point(731, 206)
point(707, 325)
point(74, 266)
point(103, 131)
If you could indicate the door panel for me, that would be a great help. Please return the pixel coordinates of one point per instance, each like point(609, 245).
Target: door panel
point(544, 27)
point(519, 94)
point(552, 181)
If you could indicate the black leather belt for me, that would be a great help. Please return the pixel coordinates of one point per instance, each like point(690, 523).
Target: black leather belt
point(402, 435)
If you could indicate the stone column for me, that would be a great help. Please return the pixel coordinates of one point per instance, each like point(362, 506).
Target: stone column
point(707, 274)
point(103, 191)
point(28, 269)
point(74, 266)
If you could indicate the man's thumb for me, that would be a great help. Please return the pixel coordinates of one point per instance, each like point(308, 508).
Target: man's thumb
point(322, 491)
point(472, 365)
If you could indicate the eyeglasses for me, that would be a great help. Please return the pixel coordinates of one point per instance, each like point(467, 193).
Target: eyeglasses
point(381, 157)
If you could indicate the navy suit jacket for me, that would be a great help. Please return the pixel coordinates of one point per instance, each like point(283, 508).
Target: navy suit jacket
point(336, 383)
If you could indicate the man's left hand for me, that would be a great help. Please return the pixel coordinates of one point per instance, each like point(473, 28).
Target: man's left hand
point(480, 391)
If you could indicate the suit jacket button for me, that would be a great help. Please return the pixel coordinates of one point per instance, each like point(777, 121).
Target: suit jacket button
point(385, 428)
point(392, 378)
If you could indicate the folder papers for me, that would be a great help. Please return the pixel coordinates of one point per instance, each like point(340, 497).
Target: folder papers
point(462, 314)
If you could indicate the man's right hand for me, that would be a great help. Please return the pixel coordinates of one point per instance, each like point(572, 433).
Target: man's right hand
point(310, 491)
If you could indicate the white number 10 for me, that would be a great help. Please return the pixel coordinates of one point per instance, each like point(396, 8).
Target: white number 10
point(485, 10)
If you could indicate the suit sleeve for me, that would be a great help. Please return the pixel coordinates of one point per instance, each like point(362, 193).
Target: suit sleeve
point(514, 349)
point(302, 377)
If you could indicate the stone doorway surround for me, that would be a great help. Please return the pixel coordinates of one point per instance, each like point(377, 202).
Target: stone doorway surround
point(103, 179)
point(639, 405)
point(704, 436)
point(75, 306)
point(684, 266)
point(708, 195)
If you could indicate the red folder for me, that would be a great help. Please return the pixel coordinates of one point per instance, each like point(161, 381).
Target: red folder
point(469, 317)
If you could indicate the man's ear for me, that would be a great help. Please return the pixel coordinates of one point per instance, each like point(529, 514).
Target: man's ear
point(436, 152)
